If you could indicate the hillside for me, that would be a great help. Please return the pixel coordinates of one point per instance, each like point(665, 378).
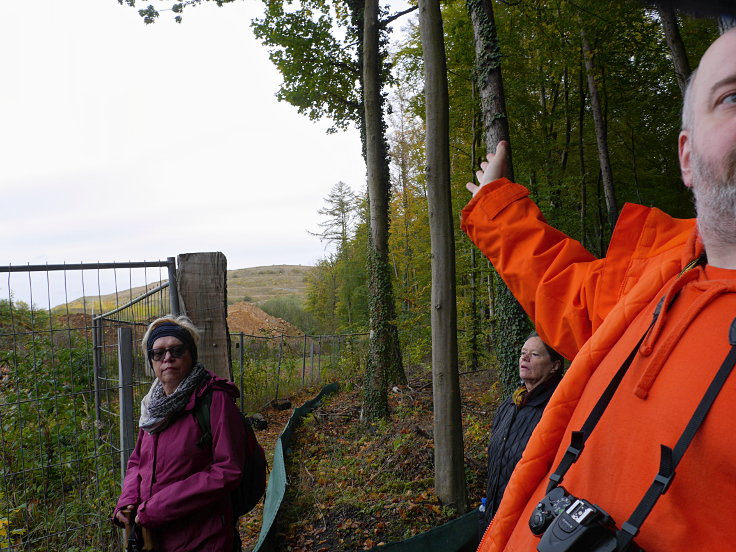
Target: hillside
point(255, 285)
point(261, 283)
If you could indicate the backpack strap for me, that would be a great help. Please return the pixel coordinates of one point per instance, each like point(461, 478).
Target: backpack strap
point(202, 414)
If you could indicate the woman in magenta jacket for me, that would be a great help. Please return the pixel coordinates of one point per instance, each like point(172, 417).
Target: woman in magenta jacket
point(175, 487)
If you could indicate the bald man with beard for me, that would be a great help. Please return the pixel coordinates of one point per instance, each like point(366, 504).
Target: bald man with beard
point(653, 315)
point(707, 148)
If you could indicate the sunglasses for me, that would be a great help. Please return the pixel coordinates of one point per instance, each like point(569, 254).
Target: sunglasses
point(177, 351)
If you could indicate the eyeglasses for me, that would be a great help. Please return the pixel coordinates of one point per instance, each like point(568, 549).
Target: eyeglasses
point(177, 351)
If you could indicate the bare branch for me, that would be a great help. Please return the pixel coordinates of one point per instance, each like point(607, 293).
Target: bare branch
point(391, 19)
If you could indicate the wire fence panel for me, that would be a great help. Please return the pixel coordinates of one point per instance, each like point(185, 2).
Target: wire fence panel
point(72, 377)
point(267, 368)
point(59, 400)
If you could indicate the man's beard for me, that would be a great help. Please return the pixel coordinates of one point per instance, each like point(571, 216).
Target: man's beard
point(715, 198)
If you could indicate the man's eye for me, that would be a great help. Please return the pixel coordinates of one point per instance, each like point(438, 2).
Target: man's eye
point(729, 98)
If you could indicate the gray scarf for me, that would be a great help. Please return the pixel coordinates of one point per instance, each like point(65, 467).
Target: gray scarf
point(158, 408)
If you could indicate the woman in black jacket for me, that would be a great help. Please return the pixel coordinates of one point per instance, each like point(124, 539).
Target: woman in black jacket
point(540, 370)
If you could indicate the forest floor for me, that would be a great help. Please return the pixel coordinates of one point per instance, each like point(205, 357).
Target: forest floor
point(354, 486)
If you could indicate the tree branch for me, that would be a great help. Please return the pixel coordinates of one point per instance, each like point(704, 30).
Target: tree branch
point(386, 22)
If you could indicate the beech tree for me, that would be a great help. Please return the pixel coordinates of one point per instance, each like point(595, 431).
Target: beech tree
point(668, 16)
point(449, 461)
point(601, 130)
point(383, 355)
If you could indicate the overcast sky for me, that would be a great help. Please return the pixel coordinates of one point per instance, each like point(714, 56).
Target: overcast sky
point(122, 141)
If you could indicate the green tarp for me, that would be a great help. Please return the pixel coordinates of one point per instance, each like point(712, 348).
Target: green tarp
point(277, 480)
point(458, 535)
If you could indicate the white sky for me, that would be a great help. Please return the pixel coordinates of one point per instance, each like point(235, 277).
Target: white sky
point(122, 141)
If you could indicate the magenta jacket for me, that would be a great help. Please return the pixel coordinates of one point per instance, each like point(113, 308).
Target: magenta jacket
point(182, 491)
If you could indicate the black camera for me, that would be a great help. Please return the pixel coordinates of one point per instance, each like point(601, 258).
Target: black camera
point(570, 524)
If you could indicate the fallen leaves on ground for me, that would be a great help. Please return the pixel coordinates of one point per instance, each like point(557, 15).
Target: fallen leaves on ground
point(354, 486)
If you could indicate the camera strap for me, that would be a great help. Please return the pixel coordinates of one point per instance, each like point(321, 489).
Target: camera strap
point(669, 459)
point(578, 438)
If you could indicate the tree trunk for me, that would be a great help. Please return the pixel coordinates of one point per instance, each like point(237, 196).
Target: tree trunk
point(475, 319)
point(568, 123)
point(601, 135)
point(449, 463)
point(509, 314)
point(404, 176)
point(490, 81)
point(581, 154)
point(384, 357)
point(677, 48)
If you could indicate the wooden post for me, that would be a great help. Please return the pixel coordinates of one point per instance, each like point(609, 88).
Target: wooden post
point(202, 279)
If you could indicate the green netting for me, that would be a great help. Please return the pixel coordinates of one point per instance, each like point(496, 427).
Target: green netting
point(277, 480)
point(458, 535)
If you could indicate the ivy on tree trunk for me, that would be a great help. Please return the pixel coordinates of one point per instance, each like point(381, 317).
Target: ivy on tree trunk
point(384, 356)
point(512, 324)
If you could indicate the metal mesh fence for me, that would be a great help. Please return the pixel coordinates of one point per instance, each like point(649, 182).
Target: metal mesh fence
point(70, 392)
point(59, 405)
point(267, 368)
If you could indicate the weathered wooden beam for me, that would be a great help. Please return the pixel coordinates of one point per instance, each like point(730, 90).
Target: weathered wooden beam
point(202, 282)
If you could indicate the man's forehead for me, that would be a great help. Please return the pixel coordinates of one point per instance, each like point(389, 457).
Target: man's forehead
point(718, 65)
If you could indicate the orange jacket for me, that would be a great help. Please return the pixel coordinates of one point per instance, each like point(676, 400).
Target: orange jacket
point(595, 310)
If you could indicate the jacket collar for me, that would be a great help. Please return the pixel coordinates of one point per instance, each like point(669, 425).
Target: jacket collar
point(542, 392)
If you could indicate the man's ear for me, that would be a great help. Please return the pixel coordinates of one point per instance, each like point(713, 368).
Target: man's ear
point(684, 147)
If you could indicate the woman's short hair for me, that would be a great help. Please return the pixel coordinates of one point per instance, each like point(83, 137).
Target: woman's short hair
point(183, 321)
point(554, 355)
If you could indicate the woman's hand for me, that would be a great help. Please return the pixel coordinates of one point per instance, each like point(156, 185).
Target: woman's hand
point(491, 170)
point(123, 515)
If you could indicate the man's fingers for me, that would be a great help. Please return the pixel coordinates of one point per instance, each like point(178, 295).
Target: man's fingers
point(492, 169)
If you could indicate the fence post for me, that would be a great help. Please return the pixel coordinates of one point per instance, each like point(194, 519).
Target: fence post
point(97, 368)
point(242, 353)
point(202, 282)
point(319, 359)
point(278, 370)
point(173, 287)
point(311, 362)
point(304, 358)
point(125, 370)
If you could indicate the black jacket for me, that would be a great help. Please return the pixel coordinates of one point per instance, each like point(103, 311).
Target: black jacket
point(512, 427)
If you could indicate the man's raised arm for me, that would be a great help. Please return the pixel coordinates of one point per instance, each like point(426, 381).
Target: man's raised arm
point(556, 280)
